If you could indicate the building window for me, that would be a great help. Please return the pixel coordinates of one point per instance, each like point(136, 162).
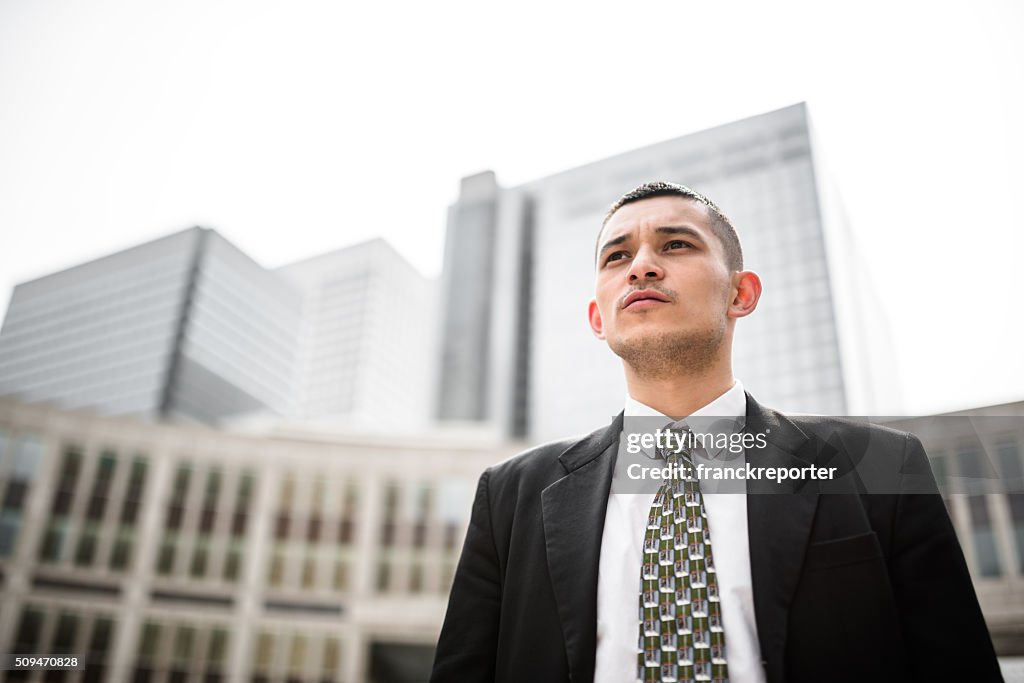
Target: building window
point(120, 554)
point(389, 524)
point(314, 527)
point(101, 487)
point(64, 634)
point(165, 557)
point(133, 494)
point(340, 575)
point(281, 526)
point(422, 512)
point(179, 494)
point(1013, 483)
point(208, 513)
point(67, 480)
point(146, 659)
point(264, 655)
point(233, 561)
point(332, 659)
point(10, 524)
point(28, 452)
point(451, 536)
point(346, 527)
point(416, 577)
point(200, 557)
point(298, 658)
point(284, 509)
point(99, 645)
point(383, 575)
point(986, 554)
point(242, 502)
point(149, 641)
point(216, 655)
point(182, 652)
point(308, 572)
point(419, 534)
point(276, 569)
point(87, 541)
point(52, 548)
point(27, 637)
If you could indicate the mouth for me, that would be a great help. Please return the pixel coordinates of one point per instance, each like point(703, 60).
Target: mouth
point(644, 298)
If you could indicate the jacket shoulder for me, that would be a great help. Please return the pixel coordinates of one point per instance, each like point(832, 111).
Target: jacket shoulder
point(543, 464)
point(536, 459)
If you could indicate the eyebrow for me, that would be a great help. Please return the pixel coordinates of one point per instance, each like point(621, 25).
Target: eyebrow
point(663, 230)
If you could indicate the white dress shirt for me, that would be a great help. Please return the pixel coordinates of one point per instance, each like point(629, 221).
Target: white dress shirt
point(618, 583)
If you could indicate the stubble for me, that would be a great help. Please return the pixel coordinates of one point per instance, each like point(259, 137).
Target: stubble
point(664, 354)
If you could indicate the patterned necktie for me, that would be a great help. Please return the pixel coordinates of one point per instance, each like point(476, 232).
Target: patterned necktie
point(681, 636)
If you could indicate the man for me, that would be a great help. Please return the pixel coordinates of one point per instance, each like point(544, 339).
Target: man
point(822, 581)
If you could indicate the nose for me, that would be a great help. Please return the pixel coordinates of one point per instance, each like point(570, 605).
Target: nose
point(645, 266)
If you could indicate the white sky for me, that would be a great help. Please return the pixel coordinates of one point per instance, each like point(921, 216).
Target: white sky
point(297, 127)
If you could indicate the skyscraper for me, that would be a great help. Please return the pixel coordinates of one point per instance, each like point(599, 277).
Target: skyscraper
point(467, 284)
point(806, 348)
point(184, 327)
point(367, 341)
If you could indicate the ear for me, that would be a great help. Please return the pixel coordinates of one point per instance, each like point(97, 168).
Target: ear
point(594, 315)
point(747, 293)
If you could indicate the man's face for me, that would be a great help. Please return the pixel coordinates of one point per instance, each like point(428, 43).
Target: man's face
point(662, 279)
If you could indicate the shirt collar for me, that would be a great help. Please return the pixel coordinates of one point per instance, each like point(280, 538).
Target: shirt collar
point(724, 415)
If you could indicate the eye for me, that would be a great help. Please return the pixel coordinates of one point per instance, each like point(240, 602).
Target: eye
point(678, 244)
point(616, 256)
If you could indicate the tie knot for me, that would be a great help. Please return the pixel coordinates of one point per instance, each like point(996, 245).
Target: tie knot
point(676, 442)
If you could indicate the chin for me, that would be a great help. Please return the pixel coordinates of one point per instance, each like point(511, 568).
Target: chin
point(652, 333)
point(655, 351)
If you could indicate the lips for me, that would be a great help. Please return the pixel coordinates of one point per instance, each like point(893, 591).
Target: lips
point(643, 295)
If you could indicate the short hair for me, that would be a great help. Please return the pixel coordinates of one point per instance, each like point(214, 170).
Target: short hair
point(720, 223)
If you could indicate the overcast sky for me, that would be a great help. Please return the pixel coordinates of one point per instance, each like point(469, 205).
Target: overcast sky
point(298, 127)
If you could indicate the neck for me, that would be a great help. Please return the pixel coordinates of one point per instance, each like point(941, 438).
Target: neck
point(681, 393)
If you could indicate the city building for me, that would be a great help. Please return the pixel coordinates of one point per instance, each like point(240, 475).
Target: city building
point(185, 327)
point(517, 352)
point(367, 344)
point(977, 458)
point(467, 283)
point(172, 552)
point(166, 552)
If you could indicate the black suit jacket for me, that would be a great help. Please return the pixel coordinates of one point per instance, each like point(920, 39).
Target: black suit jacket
point(848, 585)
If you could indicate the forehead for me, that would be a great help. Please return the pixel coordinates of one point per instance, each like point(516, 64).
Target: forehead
point(655, 212)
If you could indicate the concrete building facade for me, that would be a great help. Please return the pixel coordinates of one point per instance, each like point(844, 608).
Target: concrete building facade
point(161, 552)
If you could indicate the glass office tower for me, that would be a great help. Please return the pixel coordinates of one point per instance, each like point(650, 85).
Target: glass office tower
point(816, 343)
point(184, 327)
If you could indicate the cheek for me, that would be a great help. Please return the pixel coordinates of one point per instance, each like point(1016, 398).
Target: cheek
point(716, 291)
point(605, 301)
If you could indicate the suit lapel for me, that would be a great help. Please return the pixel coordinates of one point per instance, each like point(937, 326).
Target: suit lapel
point(573, 511)
point(779, 519)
